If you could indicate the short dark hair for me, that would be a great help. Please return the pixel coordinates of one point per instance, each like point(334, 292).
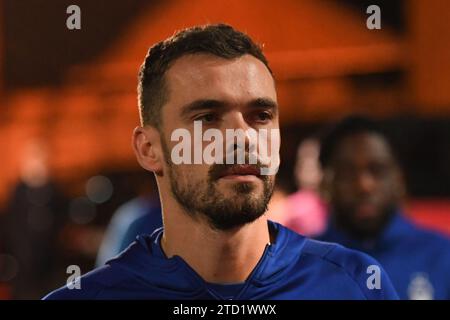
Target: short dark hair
point(220, 40)
point(348, 126)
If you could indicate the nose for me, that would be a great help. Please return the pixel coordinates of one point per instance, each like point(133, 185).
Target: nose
point(236, 120)
point(366, 183)
point(240, 133)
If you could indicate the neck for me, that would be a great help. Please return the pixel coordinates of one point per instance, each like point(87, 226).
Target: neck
point(217, 256)
point(370, 232)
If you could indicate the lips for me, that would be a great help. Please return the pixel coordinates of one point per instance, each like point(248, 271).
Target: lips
point(366, 210)
point(241, 170)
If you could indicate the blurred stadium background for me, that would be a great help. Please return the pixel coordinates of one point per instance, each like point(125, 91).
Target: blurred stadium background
point(73, 95)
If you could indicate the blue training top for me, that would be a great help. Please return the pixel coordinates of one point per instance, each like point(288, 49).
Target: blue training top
point(293, 267)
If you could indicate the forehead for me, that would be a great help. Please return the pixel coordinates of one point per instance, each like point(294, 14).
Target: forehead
point(205, 76)
point(363, 147)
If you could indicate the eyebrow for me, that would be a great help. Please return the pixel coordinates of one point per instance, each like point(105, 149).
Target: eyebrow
point(207, 104)
point(202, 104)
point(264, 103)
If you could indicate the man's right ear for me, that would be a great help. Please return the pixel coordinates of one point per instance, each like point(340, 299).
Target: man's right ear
point(147, 147)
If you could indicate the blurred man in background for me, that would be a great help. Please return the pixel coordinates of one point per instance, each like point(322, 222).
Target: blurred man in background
point(364, 186)
point(36, 211)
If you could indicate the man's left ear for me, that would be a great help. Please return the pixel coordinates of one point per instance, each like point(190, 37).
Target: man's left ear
point(147, 148)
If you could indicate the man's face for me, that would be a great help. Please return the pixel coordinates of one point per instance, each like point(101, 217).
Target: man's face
point(223, 94)
point(364, 184)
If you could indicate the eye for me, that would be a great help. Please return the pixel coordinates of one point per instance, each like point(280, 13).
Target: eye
point(379, 169)
point(264, 116)
point(207, 118)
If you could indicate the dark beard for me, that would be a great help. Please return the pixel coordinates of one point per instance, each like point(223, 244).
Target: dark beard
point(200, 200)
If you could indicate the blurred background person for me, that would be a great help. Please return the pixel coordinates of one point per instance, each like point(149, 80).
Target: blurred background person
point(140, 215)
point(36, 211)
point(364, 186)
point(305, 211)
